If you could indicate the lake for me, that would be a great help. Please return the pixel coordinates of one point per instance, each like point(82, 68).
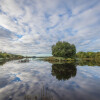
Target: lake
point(40, 80)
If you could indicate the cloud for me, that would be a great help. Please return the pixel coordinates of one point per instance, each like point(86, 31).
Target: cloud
point(33, 26)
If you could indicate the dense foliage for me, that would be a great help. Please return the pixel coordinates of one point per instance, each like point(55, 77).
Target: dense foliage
point(63, 49)
point(88, 55)
point(9, 56)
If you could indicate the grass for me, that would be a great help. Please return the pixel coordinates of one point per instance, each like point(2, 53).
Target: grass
point(58, 59)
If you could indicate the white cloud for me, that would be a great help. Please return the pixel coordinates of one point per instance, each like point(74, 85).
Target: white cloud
point(11, 7)
point(37, 24)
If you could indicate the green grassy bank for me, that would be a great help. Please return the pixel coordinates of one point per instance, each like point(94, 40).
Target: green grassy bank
point(58, 59)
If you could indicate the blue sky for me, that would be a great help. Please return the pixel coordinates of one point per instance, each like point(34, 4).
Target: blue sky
point(31, 27)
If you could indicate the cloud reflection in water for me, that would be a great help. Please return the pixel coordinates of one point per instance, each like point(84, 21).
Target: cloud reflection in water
point(18, 80)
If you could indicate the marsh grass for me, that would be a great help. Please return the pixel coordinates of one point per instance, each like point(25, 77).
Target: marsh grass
point(43, 95)
point(58, 59)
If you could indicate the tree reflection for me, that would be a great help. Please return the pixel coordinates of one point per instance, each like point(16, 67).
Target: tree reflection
point(2, 62)
point(88, 62)
point(64, 71)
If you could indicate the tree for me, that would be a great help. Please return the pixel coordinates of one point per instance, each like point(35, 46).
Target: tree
point(63, 49)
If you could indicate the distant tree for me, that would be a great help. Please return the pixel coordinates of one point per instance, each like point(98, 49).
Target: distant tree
point(91, 55)
point(9, 56)
point(63, 49)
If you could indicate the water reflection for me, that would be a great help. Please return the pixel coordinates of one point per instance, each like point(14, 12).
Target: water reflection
point(64, 71)
point(88, 62)
point(39, 80)
point(2, 62)
point(80, 62)
point(24, 60)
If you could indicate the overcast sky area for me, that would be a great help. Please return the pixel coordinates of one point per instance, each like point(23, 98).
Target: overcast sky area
point(31, 27)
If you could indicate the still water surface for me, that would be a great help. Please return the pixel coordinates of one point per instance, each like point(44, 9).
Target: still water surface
point(40, 80)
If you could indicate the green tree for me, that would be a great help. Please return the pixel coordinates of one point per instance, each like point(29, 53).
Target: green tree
point(63, 49)
point(9, 56)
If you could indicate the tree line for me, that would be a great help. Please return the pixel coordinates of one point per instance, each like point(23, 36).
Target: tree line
point(9, 56)
point(89, 55)
point(67, 50)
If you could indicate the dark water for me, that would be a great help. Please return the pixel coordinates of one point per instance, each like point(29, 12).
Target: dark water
point(39, 80)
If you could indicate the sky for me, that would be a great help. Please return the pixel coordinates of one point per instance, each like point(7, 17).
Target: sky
point(31, 27)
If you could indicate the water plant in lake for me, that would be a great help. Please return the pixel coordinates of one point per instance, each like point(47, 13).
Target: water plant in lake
point(43, 95)
point(24, 60)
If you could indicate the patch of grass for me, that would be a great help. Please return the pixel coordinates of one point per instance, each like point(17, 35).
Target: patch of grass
point(58, 59)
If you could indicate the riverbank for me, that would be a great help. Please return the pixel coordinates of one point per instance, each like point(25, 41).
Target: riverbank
point(62, 59)
point(58, 59)
point(8, 56)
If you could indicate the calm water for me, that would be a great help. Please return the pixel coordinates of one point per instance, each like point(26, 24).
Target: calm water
point(39, 80)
